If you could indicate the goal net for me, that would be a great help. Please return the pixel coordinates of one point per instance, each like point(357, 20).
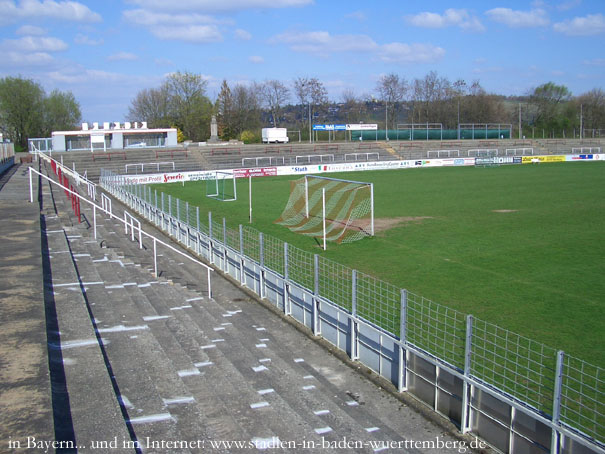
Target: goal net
point(337, 210)
point(221, 186)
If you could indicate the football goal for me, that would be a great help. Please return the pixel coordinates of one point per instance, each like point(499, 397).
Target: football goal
point(221, 186)
point(330, 208)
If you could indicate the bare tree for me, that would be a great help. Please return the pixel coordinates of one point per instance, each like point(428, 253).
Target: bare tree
point(153, 106)
point(312, 93)
point(392, 90)
point(593, 109)
point(274, 94)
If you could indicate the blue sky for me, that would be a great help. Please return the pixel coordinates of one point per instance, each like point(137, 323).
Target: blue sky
point(106, 51)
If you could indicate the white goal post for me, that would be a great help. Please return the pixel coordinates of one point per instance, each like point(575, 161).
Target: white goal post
point(222, 186)
point(334, 209)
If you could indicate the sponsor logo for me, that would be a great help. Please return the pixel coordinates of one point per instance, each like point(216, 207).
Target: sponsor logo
point(458, 162)
point(170, 177)
point(300, 169)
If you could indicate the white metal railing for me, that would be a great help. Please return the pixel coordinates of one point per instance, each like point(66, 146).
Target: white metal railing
point(475, 152)
point(448, 153)
point(91, 188)
point(130, 219)
point(272, 160)
point(143, 164)
point(311, 157)
point(141, 232)
point(106, 203)
point(587, 150)
point(523, 151)
point(367, 155)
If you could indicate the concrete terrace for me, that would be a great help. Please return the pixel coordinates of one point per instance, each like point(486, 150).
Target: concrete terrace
point(97, 352)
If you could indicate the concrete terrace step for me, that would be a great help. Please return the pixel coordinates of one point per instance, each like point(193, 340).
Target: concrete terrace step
point(77, 351)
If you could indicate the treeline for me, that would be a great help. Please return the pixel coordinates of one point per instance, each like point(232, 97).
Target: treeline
point(26, 111)
point(182, 101)
point(242, 109)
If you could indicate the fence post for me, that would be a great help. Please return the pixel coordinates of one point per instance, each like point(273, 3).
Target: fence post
point(225, 268)
point(402, 376)
point(466, 388)
point(353, 320)
point(287, 309)
point(242, 276)
point(261, 274)
point(155, 217)
point(155, 258)
point(187, 210)
point(555, 445)
point(178, 209)
point(94, 220)
point(314, 323)
point(210, 245)
point(169, 205)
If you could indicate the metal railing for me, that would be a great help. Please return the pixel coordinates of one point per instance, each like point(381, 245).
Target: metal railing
point(470, 370)
point(143, 164)
point(127, 224)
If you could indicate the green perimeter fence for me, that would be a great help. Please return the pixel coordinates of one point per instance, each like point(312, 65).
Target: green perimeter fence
point(564, 389)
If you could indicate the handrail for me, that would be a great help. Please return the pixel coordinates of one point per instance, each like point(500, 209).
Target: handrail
point(113, 216)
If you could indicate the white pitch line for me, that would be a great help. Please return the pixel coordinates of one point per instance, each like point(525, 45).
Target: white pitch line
point(261, 345)
point(264, 360)
point(259, 368)
point(321, 412)
point(195, 299)
point(203, 364)
point(262, 392)
point(308, 387)
point(206, 347)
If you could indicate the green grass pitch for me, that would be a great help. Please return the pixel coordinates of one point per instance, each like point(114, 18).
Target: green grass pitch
point(520, 246)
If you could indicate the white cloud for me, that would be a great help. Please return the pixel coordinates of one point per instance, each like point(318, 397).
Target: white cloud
point(592, 24)
point(32, 44)
point(122, 56)
point(594, 62)
point(324, 44)
point(356, 15)
point(242, 35)
point(451, 17)
point(11, 58)
point(256, 59)
point(195, 28)
point(519, 19)
point(149, 18)
point(189, 33)
point(49, 9)
point(410, 53)
point(163, 62)
point(224, 5)
point(30, 30)
point(87, 41)
point(565, 6)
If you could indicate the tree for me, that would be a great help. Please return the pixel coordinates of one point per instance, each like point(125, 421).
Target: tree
point(21, 109)
point(312, 93)
point(61, 112)
point(274, 94)
point(391, 90)
point(246, 108)
point(153, 106)
point(189, 105)
point(593, 108)
point(548, 100)
point(224, 110)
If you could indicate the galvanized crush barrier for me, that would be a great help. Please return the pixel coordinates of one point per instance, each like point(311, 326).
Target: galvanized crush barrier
point(517, 394)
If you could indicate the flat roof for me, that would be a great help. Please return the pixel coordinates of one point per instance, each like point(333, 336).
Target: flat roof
point(89, 132)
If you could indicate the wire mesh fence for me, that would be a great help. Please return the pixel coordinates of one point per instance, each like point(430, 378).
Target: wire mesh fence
point(519, 367)
point(523, 368)
point(582, 404)
point(436, 329)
